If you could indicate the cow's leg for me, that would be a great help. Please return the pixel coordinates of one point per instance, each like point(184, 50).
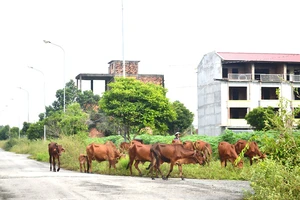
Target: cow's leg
point(53, 163)
point(90, 165)
point(251, 160)
point(180, 172)
point(84, 166)
point(222, 163)
point(80, 165)
point(171, 169)
point(58, 163)
point(136, 165)
point(50, 161)
point(130, 165)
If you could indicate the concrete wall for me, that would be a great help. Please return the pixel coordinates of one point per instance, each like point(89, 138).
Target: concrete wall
point(209, 95)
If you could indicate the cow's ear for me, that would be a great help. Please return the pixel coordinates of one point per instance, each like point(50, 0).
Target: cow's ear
point(56, 145)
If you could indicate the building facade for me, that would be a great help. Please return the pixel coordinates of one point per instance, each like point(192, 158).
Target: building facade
point(229, 85)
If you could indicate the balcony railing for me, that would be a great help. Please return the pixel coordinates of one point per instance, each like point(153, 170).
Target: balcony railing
point(239, 77)
point(294, 78)
point(261, 77)
point(271, 77)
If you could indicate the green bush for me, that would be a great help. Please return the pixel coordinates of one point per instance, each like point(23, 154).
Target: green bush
point(272, 180)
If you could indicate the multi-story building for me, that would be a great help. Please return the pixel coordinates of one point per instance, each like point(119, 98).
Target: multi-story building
point(115, 69)
point(230, 85)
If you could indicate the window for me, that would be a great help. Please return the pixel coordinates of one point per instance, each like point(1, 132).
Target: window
point(296, 92)
point(269, 93)
point(237, 93)
point(238, 113)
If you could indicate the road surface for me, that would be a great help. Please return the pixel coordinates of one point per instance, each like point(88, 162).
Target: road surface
point(23, 178)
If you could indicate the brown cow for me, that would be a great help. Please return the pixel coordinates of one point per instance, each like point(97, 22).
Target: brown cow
point(102, 152)
point(138, 153)
point(227, 152)
point(82, 162)
point(55, 151)
point(202, 146)
point(252, 150)
point(124, 146)
point(205, 147)
point(174, 154)
point(177, 141)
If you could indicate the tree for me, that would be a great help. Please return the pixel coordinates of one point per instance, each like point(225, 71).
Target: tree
point(35, 131)
point(137, 104)
point(25, 128)
point(88, 101)
point(4, 132)
point(184, 118)
point(71, 122)
point(71, 95)
point(14, 132)
point(260, 118)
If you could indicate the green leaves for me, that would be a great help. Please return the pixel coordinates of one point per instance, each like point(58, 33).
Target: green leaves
point(139, 104)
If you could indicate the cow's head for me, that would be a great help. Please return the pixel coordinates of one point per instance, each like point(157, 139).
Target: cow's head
point(59, 149)
point(200, 157)
point(239, 162)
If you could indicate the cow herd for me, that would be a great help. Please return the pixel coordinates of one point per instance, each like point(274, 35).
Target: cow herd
point(188, 152)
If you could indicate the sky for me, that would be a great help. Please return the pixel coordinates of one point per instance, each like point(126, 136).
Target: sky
point(168, 37)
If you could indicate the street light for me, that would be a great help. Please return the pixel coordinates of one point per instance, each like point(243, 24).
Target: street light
point(27, 101)
point(48, 42)
point(44, 97)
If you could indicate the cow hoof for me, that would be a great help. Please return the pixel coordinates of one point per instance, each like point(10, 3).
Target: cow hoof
point(153, 178)
point(182, 178)
point(58, 169)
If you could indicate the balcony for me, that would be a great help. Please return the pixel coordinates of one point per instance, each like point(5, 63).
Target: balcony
point(261, 77)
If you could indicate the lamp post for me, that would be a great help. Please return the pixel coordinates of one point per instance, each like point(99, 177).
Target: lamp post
point(44, 97)
point(27, 101)
point(48, 42)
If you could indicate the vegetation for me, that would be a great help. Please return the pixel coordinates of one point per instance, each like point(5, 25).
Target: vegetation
point(130, 106)
point(136, 104)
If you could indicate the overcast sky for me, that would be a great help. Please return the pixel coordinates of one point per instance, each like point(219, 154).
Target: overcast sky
point(168, 37)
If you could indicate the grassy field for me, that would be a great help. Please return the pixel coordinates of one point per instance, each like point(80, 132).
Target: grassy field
point(73, 145)
point(270, 178)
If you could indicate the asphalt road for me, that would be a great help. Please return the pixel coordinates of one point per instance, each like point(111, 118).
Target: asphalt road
point(23, 178)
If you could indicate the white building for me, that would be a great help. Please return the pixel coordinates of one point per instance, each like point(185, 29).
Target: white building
point(232, 84)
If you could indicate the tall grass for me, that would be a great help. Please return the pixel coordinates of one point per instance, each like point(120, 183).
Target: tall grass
point(269, 178)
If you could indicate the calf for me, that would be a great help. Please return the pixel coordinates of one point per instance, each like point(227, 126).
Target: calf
point(174, 154)
point(82, 162)
point(251, 151)
point(227, 152)
point(54, 151)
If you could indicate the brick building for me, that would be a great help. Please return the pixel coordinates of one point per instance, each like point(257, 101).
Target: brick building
point(115, 69)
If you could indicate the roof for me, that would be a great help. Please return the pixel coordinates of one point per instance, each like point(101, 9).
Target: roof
point(88, 76)
point(269, 57)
